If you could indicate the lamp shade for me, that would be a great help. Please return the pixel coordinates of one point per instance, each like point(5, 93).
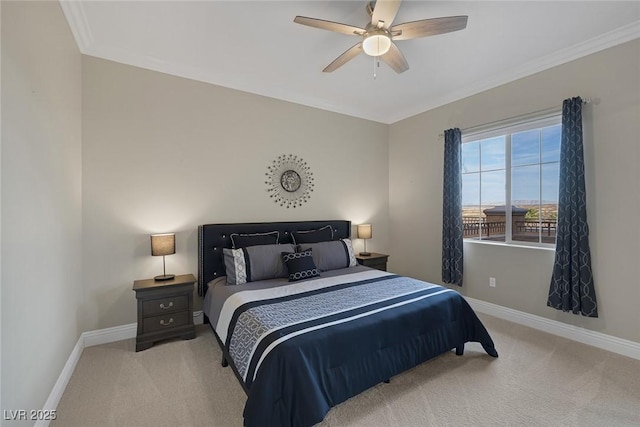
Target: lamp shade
point(364, 231)
point(163, 244)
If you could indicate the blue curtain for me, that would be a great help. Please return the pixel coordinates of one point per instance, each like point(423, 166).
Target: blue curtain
point(572, 286)
point(452, 208)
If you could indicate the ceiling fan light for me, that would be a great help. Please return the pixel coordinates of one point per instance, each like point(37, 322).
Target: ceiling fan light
point(376, 44)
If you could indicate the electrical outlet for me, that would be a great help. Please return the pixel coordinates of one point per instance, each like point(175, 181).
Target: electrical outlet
point(492, 282)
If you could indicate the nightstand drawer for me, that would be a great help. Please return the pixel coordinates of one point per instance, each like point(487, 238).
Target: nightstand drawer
point(168, 321)
point(377, 265)
point(377, 261)
point(163, 305)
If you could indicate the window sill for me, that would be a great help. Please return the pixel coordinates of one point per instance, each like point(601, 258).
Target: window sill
point(510, 245)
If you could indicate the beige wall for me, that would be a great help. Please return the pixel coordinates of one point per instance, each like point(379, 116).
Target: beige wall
point(162, 153)
point(611, 126)
point(41, 206)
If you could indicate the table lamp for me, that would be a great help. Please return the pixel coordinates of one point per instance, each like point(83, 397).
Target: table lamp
point(364, 232)
point(163, 244)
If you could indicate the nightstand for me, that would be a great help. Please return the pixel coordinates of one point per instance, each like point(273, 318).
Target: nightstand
point(378, 261)
point(165, 310)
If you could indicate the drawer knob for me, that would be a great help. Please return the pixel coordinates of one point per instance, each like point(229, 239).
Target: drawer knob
point(162, 322)
point(162, 306)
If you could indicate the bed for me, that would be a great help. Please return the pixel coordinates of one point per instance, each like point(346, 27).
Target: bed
point(300, 347)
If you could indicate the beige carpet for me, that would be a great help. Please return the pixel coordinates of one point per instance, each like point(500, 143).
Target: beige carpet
point(538, 380)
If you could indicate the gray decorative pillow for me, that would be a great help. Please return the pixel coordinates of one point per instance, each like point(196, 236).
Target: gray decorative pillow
point(261, 262)
point(331, 255)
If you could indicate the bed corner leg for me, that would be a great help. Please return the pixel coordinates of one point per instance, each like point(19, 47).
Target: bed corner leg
point(460, 350)
point(224, 362)
point(387, 381)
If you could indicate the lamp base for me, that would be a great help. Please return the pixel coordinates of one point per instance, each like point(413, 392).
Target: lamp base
point(365, 254)
point(164, 277)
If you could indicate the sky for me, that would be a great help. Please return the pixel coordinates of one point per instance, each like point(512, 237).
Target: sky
point(533, 153)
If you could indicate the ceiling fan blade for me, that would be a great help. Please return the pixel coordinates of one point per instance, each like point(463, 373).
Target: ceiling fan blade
point(395, 59)
point(329, 25)
point(428, 27)
point(347, 56)
point(385, 11)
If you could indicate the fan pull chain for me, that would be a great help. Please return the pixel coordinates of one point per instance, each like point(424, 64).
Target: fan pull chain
point(374, 68)
point(376, 61)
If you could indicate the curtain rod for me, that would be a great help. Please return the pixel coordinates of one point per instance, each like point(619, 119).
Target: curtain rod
point(511, 120)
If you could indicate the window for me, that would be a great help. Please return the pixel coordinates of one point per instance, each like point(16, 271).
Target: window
point(517, 166)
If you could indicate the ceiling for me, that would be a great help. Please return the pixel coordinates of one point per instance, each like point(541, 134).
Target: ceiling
point(255, 46)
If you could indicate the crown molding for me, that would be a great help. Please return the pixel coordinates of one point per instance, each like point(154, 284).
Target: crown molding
point(77, 20)
point(76, 17)
point(612, 38)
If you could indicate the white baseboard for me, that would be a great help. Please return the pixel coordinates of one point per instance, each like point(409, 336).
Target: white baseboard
point(90, 339)
point(61, 384)
point(597, 339)
point(104, 336)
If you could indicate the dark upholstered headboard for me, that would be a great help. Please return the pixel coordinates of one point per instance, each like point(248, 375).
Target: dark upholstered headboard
point(212, 238)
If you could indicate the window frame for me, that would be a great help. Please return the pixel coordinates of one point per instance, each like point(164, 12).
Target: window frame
point(507, 128)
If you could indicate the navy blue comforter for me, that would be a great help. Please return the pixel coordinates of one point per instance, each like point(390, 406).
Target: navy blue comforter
point(301, 352)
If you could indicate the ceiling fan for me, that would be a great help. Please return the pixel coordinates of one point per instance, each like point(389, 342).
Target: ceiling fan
point(378, 36)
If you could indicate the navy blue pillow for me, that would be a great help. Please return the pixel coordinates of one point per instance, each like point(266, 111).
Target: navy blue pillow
point(323, 234)
point(300, 265)
point(243, 240)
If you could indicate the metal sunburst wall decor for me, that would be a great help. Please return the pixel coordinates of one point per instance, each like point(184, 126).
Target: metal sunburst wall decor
point(290, 181)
